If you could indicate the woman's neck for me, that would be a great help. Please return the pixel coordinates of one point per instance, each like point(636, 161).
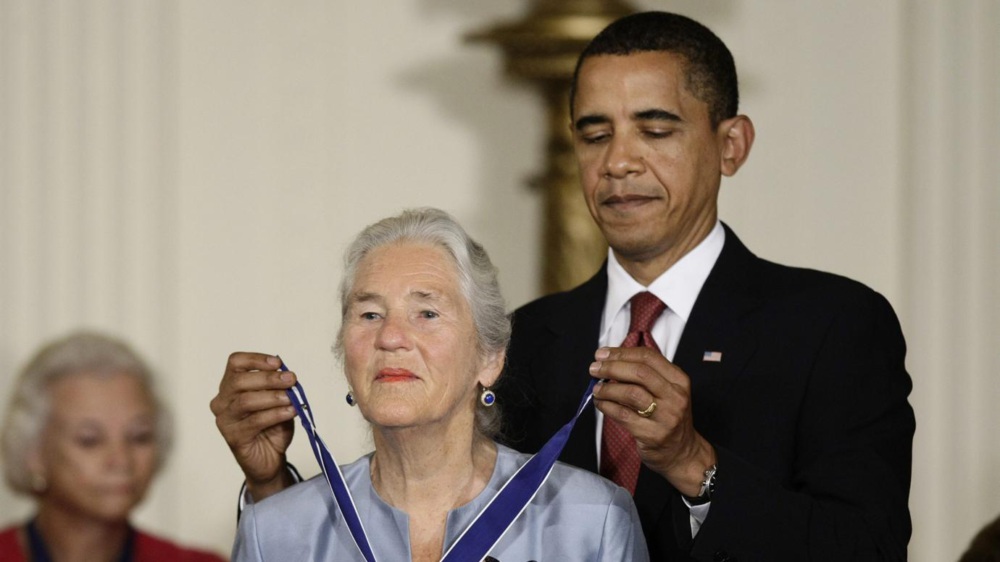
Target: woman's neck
point(72, 537)
point(413, 470)
point(426, 475)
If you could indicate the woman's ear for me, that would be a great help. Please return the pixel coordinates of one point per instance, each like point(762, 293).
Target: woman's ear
point(736, 135)
point(37, 474)
point(491, 368)
point(33, 460)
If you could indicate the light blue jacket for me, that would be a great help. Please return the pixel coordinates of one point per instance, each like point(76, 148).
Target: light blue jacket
point(576, 516)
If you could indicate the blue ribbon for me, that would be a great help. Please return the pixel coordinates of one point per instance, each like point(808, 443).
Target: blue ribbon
point(489, 526)
point(334, 477)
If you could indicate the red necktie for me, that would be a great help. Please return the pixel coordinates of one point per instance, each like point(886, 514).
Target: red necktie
point(619, 457)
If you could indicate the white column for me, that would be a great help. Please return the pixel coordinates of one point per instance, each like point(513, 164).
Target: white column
point(87, 201)
point(952, 261)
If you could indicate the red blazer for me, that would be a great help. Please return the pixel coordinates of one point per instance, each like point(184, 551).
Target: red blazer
point(148, 548)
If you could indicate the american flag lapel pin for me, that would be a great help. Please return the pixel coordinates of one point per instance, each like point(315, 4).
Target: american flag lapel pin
point(712, 357)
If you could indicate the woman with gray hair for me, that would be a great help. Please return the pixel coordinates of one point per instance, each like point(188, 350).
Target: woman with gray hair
point(84, 435)
point(422, 339)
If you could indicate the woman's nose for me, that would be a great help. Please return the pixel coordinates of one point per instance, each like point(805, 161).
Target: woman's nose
point(393, 333)
point(120, 455)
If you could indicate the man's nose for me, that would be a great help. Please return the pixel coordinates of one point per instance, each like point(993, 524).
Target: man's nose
point(622, 158)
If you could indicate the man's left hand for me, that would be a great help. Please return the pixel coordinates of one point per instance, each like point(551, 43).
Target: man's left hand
point(667, 440)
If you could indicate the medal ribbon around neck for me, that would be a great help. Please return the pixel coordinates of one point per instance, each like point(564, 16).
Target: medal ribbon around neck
point(493, 521)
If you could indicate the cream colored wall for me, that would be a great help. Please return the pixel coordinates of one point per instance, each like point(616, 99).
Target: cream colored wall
point(188, 173)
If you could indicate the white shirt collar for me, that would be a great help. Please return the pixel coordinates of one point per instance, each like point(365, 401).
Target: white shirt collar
point(678, 287)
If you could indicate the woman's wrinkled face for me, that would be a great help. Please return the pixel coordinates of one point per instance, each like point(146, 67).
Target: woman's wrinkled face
point(410, 347)
point(98, 452)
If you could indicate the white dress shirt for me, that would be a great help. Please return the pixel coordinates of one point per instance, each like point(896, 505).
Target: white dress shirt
point(678, 288)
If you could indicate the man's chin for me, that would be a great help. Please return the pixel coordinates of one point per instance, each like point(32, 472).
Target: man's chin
point(631, 246)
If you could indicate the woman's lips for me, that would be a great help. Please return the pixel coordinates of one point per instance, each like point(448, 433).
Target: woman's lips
point(395, 375)
point(119, 489)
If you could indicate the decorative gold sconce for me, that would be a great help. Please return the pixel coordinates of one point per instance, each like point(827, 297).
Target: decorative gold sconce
point(543, 47)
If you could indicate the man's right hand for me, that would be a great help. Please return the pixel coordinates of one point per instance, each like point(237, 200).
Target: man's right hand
point(255, 416)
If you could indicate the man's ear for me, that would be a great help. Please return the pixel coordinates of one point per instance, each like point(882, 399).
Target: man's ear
point(736, 135)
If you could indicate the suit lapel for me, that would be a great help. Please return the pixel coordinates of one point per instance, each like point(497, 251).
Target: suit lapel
point(718, 326)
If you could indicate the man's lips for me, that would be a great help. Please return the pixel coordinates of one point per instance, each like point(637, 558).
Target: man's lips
point(395, 375)
point(620, 201)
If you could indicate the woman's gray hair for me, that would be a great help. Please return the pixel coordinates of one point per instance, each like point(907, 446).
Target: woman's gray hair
point(28, 413)
point(477, 281)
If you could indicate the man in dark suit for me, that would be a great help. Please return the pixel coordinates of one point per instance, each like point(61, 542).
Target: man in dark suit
point(766, 405)
point(771, 417)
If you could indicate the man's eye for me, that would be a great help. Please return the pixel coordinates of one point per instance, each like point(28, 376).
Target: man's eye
point(595, 138)
point(659, 134)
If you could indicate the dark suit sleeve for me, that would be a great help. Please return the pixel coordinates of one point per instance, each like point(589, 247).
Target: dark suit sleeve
point(842, 493)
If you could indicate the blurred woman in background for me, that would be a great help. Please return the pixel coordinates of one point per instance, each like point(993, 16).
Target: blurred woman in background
point(84, 435)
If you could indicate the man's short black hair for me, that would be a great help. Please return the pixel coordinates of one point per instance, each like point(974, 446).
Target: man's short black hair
point(710, 72)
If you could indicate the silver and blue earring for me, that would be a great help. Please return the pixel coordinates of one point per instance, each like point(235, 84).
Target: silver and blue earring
point(350, 399)
point(487, 398)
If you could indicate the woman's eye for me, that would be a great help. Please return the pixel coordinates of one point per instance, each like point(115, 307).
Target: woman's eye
point(429, 314)
point(87, 441)
point(142, 438)
point(369, 316)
